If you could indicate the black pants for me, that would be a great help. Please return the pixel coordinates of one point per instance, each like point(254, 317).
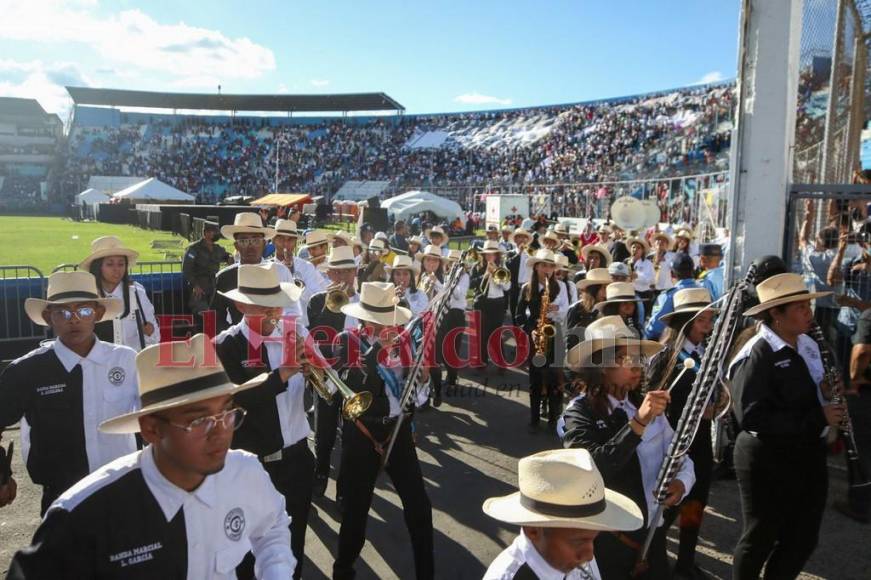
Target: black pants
point(543, 383)
point(860, 414)
point(363, 463)
point(492, 314)
point(49, 494)
point(454, 318)
point(783, 489)
point(617, 560)
point(326, 422)
point(293, 477)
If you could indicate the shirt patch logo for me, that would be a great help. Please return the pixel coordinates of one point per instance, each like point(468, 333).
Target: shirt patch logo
point(46, 390)
point(783, 364)
point(234, 524)
point(117, 375)
point(135, 555)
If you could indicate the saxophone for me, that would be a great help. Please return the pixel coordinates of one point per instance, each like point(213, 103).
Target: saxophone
point(544, 329)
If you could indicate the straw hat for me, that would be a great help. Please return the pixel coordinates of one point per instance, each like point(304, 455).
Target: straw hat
point(286, 228)
point(358, 243)
point(618, 292)
point(438, 230)
point(430, 251)
point(562, 262)
point(641, 241)
point(108, 246)
point(165, 386)
point(377, 245)
point(563, 488)
point(247, 222)
point(663, 236)
point(344, 236)
point(260, 286)
point(316, 238)
point(781, 289)
point(545, 256)
point(690, 301)
point(377, 304)
point(68, 287)
point(491, 247)
point(608, 332)
point(416, 240)
point(550, 236)
point(453, 255)
point(585, 252)
point(402, 262)
point(520, 232)
point(340, 258)
point(561, 229)
point(595, 277)
point(684, 233)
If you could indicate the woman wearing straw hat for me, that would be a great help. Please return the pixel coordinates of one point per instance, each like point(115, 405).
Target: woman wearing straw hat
point(438, 237)
point(595, 256)
point(689, 325)
point(185, 506)
point(561, 275)
point(643, 275)
point(661, 258)
point(561, 507)
point(454, 319)
point(627, 434)
point(110, 263)
point(592, 290)
point(365, 359)
point(621, 300)
point(490, 296)
point(780, 452)
point(402, 274)
point(545, 381)
point(63, 390)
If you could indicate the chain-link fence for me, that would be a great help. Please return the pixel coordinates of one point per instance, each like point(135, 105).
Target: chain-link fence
point(831, 91)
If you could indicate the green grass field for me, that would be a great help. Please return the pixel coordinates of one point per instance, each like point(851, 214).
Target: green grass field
point(48, 242)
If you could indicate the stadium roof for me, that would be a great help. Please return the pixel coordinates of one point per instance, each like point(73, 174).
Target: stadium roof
point(219, 102)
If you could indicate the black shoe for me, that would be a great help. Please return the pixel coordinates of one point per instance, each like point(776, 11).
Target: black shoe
point(437, 400)
point(320, 485)
point(339, 505)
point(844, 508)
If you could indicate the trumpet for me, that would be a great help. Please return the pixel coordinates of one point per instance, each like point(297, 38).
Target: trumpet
point(427, 285)
point(353, 404)
point(337, 296)
point(472, 258)
point(501, 275)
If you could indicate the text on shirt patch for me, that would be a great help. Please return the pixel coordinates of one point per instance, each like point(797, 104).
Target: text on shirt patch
point(46, 390)
point(234, 524)
point(136, 555)
point(783, 364)
point(116, 375)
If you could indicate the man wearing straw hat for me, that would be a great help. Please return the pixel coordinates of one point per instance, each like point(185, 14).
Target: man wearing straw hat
point(249, 236)
point(516, 264)
point(285, 240)
point(341, 269)
point(183, 507)
point(365, 365)
point(63, 390)
point(277, 429)
point(561, 506)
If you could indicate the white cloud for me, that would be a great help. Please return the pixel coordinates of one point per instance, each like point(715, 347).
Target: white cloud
point(43, 82)
point(475, 98)
point(282, 88)
point(714, 76)
point(319, 83)
point(133, 38)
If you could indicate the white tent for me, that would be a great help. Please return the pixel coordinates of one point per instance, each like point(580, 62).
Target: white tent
point(153, 190)
point(413, 202)
point(92, 197)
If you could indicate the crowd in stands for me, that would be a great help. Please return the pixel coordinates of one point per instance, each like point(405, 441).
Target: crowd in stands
point(680, 132)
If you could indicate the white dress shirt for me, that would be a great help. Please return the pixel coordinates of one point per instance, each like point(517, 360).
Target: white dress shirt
point(662, 277)
point(458, 296)
point(651, 452)
point(299, 308)
point(125, 329)
point(290, 403)
point(417, 302)
point(310, 276)
point(522, 270)
point(522, 551)
point(495, 290)
point(561, 301)
point(644, 275)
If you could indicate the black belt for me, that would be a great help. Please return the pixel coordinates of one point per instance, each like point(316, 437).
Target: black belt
point(281, 454)
point(381, 420)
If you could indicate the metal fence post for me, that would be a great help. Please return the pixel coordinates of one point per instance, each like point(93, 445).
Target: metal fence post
point(831, 108)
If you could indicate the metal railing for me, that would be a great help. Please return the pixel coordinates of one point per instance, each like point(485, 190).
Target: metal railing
point(17, 284)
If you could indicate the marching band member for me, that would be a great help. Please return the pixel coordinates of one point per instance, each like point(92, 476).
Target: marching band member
point(545, 381)
point(561, 507)
point(402, 275)
point(491, 295)
point(591, 290)
point(415, 245)
point(277, 429)
point(342, 271)
point(174, 509)
point(505, 243)
point(438, 237)
point(688, 328)
point(627, 434)
point(516, 264)
point(643, 274)
point(550, 241)
point(561, 275)
point(110, 264)
point(492, 234)
point(317, 244)
point(780, 453)
point(432, 278)
point(372, 267)
point(285, 240)
point(621, 300)
point(595, 256)
point(362, 365)
point(661, 259)
point(455, 318)
point(63, 390)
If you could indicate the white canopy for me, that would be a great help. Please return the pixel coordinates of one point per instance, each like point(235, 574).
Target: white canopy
point(92, 197)
point(413, 202)
point(153, 190)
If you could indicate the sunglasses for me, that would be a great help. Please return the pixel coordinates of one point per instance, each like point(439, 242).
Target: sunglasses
point(84, 313)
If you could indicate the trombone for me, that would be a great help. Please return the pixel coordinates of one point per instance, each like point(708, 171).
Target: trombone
point(337, 296)
point(353, 404)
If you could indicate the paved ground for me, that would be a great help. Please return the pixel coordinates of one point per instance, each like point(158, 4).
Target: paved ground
point(469, 449)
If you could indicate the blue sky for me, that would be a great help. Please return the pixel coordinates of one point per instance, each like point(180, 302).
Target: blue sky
point(431, 56)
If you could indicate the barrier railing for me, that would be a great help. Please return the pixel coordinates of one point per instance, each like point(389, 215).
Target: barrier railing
point(17, 284)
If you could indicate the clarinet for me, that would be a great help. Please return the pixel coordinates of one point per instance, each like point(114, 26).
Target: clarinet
point(832, 376)
point(704, 386)
point(438, 309)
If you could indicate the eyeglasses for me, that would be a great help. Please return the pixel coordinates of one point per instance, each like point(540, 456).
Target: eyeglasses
point(230, 419)
point(84, 313)
point(246, 242)
point(631, 362)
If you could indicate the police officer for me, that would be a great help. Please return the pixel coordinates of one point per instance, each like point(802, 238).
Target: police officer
point(183, 507)
point(710, 259)
point(277, 429)
point(325, 323)
point(65, 388)
point(202, 260)
point(682, 271)
point(364, 366)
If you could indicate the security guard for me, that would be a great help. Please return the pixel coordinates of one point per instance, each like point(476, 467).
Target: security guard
point(710, 259)
point(183, 507)
point(277, 429)
point(65, 388)
point(682, 271)
point(362, 364)
point(202, 261)
point(325, 324)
